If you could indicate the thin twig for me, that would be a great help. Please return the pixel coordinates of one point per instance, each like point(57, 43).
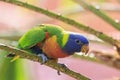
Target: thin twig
point(107, 59)
point(11, 38)
point(68, 21)
point(99, 13)
point(64, 19)
point(50, 63)
point(101, 58)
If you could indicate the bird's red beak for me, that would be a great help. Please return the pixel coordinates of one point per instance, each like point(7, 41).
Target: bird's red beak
point(85, 49)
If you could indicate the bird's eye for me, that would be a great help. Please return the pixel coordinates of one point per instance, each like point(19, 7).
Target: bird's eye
point(78, 41)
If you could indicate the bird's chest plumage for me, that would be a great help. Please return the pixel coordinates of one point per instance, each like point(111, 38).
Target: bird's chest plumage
point(52, 49)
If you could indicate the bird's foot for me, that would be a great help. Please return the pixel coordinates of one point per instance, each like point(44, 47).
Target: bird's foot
point(44, 58)
point(62, 65)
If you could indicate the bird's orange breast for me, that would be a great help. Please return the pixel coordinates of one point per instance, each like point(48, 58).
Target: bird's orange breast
point(52, 49)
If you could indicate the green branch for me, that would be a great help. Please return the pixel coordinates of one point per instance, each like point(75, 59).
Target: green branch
point(99, 13)
point(64, 19)
point(50, 63)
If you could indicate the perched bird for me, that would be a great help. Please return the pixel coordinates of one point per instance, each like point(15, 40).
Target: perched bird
point(52, 42)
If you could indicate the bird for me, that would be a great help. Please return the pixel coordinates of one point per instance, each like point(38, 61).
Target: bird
point(52, 42)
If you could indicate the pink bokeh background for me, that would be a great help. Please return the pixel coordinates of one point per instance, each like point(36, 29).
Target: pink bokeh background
point(16, 19)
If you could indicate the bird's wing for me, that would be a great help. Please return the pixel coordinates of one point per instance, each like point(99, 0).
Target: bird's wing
point(31, 38)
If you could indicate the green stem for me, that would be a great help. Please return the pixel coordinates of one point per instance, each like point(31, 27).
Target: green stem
point(50, 63)
point(64, 19)
point(99, 13)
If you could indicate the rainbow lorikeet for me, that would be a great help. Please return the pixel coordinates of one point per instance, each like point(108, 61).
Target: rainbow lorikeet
point(53, 42)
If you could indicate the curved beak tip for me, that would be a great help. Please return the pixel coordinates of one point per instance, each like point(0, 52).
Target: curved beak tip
point(85, 49)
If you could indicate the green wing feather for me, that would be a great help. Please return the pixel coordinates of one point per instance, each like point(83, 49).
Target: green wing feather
point(55, 30)
point(31, 38)
point(37, 34)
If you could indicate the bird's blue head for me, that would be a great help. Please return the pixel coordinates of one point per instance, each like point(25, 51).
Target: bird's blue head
point(76, 43)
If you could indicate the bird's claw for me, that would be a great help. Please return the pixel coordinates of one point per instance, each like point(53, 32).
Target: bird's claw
point(44, 58)
point(62, 65)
